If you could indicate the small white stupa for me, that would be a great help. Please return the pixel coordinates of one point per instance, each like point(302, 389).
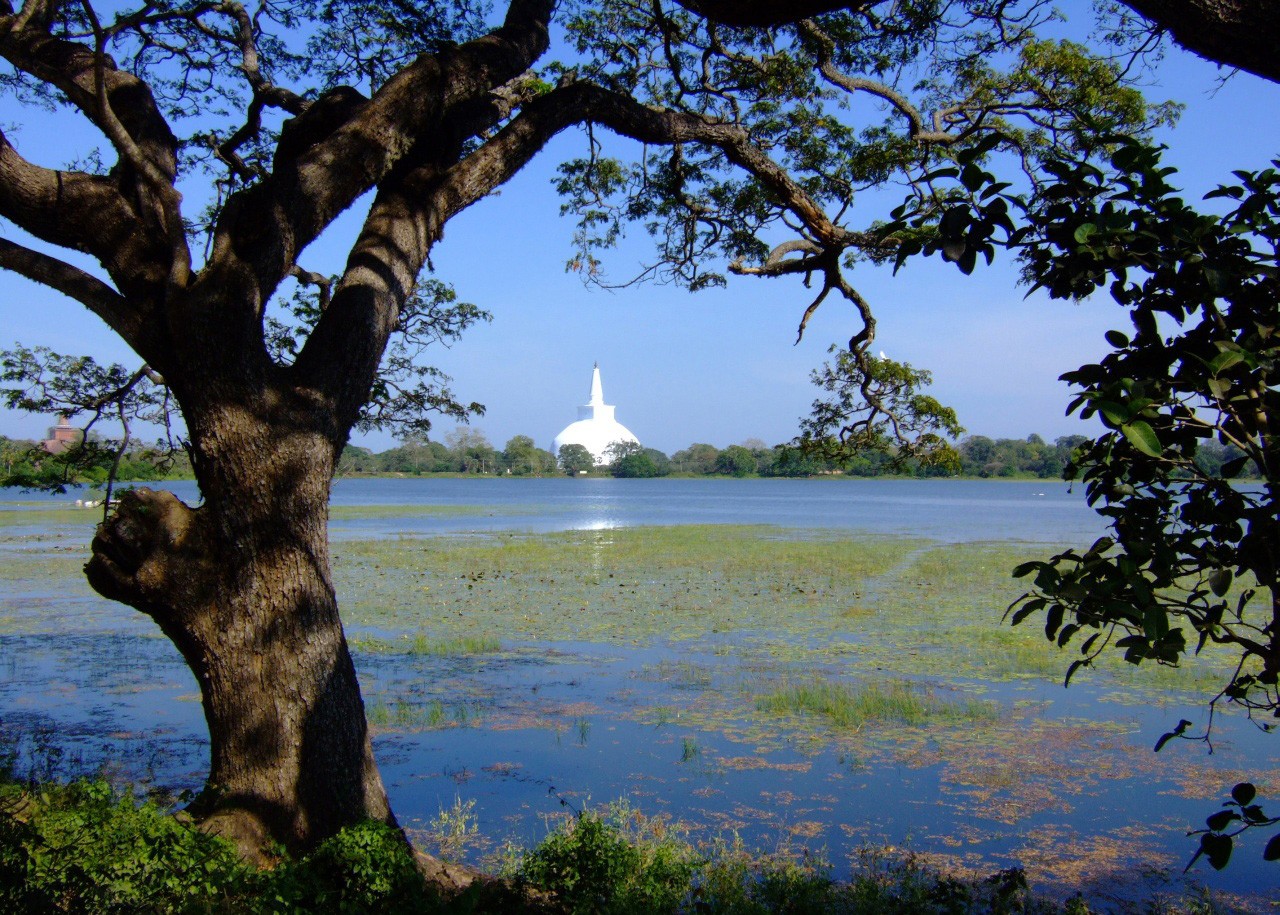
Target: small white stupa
point(596, 429)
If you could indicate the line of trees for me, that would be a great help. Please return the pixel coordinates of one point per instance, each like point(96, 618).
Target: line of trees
point(469, 451)
point(25, 463)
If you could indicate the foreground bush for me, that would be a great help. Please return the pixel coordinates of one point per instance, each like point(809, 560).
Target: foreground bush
point(81, 848)
point(87, 849)
point(84, 848)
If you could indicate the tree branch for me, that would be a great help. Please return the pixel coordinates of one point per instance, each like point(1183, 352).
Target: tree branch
point(130, 114)
point(826, 66)
point(157, 182)
point(74, 283)
point(85, 213)
point(409, 215)
point(343, 145)
point(1237, 33)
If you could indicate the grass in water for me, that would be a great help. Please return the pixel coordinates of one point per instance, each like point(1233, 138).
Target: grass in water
point(427, 646)
point(850, 707)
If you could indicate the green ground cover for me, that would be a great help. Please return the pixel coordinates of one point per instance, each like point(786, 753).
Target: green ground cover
point(895, 605)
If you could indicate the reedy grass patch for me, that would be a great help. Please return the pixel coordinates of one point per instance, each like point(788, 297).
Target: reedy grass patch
point(849, 706)
point(424, 645)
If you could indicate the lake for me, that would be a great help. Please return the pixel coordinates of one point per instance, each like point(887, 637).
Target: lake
point(523, 643)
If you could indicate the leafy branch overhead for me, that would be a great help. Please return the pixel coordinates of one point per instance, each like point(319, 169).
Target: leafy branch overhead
point(1192, 560)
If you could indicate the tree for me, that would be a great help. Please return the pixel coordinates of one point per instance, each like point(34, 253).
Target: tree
point(616, 451)
point(290, 114)
point(735, 461)
point(576, 459)
point(636, 465)
point(523, 458)
point(472, 450)
point(698, 458)
point(878, 405)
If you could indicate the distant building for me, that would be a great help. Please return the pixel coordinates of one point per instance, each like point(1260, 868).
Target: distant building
point(61, 437)
point(596, 429)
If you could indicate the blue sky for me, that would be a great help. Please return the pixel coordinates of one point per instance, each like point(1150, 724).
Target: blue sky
point(720, 366)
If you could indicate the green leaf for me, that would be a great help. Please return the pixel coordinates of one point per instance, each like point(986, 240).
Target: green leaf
point(1219, 584)
point(1117, 414)
point(1084, 232)
point(1223, 361)
point(1244, 793)
point(1142, 437)
point(1117, 339)
point(1221, 820)
point(1272, 851)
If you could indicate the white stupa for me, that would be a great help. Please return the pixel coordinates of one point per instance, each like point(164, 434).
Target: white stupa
point(596, 429)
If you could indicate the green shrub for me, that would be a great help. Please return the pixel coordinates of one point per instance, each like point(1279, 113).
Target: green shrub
point(620, 863)
point(364, 868)
point(83, 848)
point(87, 849)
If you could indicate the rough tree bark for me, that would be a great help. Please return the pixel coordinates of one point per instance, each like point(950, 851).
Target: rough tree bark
point(242, 584)
point(242, 587)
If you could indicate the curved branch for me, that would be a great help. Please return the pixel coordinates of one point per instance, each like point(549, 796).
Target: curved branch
point(158, 181)
point(343, 145)
point(74, 283)
point(83, 77)
point(826, 66)
point(84, 213)
point(410, 213)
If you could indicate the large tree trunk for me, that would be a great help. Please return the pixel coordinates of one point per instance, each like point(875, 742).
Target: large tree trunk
point(242, 586)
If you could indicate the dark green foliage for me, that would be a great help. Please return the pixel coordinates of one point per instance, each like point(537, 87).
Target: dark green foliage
point(364, 868)
point(636, 466)
point(1189, 401)
point(593, 868)
point(1199, 365)
point(85, 849)
point(82, 848)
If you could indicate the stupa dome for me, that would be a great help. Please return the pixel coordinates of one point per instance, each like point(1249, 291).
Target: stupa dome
point(596, 429)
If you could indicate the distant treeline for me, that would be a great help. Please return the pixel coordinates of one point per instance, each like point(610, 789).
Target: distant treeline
point(25, 463)
point(469, 451)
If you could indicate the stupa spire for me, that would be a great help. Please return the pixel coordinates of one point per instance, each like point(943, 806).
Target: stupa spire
point(597, 390)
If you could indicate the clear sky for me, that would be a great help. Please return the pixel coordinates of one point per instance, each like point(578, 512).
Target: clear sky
point(720, 366)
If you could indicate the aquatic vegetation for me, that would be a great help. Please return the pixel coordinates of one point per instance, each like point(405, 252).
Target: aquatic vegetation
point(422, 644)
point(452, 831)
point(848, 706)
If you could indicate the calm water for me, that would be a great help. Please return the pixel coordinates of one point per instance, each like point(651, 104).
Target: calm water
point(941, 510)
point(541, 722)
point(948, 510)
